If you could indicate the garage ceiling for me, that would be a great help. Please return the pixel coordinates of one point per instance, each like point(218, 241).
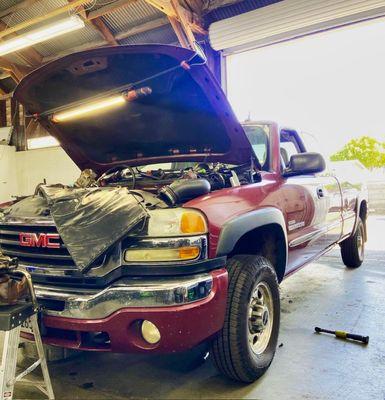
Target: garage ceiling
point(234, 25)
point(288, 19)
point(108, 22)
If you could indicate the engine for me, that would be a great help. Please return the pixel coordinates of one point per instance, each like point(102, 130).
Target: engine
point(179, 185)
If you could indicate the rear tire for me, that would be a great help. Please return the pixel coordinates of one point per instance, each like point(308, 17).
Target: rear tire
point(245, 347)
point(353, 248)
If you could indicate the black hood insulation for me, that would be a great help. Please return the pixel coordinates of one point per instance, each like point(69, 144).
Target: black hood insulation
point(89, 221)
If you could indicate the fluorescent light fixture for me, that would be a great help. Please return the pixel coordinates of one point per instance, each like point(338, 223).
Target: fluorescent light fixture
point(79, 112)
point(42, 142)
point(40, 35)
point(92, 106)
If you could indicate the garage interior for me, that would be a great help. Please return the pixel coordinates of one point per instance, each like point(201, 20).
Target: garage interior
point(325, 293)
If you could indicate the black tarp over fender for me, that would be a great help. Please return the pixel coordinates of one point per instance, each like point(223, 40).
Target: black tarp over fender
point(90, 220)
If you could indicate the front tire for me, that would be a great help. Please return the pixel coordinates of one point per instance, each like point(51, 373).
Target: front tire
point(245, 347)
point(353, 248)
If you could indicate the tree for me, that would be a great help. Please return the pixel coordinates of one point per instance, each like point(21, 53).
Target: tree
point(369, 151)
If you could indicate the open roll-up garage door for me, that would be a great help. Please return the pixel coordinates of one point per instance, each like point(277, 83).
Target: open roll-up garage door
point(289, 19)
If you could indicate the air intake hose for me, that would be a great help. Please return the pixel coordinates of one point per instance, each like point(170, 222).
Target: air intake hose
point(183, 190)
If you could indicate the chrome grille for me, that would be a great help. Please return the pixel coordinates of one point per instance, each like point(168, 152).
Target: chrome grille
point(36, 256)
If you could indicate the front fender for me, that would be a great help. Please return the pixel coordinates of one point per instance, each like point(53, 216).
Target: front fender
point(234, 229)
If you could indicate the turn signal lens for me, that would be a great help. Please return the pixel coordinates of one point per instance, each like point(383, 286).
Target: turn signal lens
point(193, 222)
point(159, 255)
point(188, 253)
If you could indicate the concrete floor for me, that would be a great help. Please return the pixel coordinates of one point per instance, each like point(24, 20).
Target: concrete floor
point(306, 366)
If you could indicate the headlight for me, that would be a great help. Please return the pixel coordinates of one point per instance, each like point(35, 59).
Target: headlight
point(170, 235)
point(160, 250)
point(176, 222)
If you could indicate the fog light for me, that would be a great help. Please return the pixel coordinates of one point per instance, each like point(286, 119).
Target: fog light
point(150, 332)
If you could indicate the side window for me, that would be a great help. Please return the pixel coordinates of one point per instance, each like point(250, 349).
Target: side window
point(287, 150)
point(314, 145)
point(258, 136)
point(289, 145)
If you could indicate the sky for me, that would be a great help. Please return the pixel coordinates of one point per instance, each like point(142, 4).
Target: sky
point(330, 84)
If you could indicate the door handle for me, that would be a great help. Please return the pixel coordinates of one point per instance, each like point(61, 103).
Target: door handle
point(320, 193)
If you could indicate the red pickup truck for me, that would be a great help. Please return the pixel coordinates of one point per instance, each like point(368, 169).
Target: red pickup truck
point(184, 221)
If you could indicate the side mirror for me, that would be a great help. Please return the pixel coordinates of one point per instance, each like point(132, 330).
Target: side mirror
point(305, 163)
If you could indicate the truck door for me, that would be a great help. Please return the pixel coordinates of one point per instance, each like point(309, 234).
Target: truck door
point(312, 207)
point(350, 186)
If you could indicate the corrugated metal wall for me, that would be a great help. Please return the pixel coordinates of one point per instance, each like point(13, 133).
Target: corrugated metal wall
point(236, 9)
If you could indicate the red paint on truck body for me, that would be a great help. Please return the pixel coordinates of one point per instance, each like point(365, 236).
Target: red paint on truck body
point(181, 327)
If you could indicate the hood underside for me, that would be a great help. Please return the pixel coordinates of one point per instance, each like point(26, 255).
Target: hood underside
point(186, 117)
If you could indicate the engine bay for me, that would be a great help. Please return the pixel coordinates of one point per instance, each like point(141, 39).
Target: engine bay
point(155, 180)
point(178, 183)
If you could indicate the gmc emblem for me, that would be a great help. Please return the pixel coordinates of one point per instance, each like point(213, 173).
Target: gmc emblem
point(47, 240)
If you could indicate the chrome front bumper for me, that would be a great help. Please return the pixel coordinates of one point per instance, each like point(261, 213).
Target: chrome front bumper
point(95, 304)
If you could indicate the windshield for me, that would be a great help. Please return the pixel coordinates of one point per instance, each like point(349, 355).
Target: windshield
point(180, 166)
point(258, 136)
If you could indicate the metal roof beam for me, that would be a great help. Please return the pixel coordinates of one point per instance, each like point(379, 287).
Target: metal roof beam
point(147, 26)
point(100, 12)
point(105, 31)
point(176, 25)
point(184, 23)
point(17, 72)
point(98, 24)
point(175, 10)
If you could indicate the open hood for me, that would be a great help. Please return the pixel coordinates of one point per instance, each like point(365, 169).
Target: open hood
point(186, 117)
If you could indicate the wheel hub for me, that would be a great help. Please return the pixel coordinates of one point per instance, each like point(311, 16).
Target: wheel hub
point(260, 322)
point(360, 243)
point(265, 318)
